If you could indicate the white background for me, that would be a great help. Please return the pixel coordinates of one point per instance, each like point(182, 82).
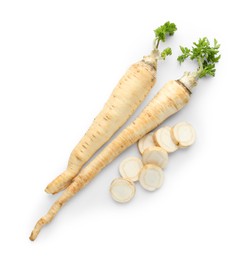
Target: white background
point(59, 61)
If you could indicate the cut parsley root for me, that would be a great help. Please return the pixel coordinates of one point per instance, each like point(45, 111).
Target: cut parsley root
point(155, 155)
point(151, 177)
point(145, 142)
point(183, 134)
point(162, 137)
point(170, 99)
point(124, 100)
point(168, 140)
point(130, 168)
point(122, 190)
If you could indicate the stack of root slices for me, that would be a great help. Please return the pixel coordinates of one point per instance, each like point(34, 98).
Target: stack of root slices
point(149, 170)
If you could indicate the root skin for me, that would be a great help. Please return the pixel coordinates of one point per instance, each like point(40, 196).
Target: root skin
point(170, 99)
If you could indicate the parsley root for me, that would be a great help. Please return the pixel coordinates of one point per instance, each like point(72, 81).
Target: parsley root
point(124, 100)
point(171, 98)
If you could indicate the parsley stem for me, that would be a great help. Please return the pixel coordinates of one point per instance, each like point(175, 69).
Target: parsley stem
point(157, 44)
point(200, 63)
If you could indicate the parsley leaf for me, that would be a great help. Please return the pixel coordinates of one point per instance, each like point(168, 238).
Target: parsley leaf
point(204, 54)
point(166, 52)
point(161, 34)
point(185, 54)
point(164, 30)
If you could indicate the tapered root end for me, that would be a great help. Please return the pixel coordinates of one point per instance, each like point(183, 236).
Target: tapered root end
point(37, 229)
point(50, 190)
point(47, 190)
point(32, 237)
point(60, 183)
point(52, 187)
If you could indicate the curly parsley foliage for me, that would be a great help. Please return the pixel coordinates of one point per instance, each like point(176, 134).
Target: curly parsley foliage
point(185, 54)
point(205, 55)
point(166, 52)
point(161, 34)
point(167, 29)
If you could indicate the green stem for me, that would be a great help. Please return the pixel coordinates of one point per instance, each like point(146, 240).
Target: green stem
point(200, 64)
point(157, 44)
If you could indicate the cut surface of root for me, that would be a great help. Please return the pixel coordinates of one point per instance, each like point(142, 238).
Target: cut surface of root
point(155, 155)
point(183, 134)
point(130, 168)
point(162, 137)
point(151, 177)
point(122, 190)
point(146, 142)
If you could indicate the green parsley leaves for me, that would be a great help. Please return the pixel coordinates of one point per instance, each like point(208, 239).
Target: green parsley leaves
point(161, 34)
point(167, 29)
point(185, 54)
point(166, 52)
point(204, 54)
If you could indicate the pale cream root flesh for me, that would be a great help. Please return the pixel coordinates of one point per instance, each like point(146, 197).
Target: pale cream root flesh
point(155, 155)
point(151, 177)
point(170, 99)
point(130, 168)
point(124, 100)
point(146, 142)
point(162, 137)
point(122, 190)
point(183, 134)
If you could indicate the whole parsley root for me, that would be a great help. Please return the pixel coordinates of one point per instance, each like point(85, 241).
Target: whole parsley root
point(129, 93)
point(171, 98)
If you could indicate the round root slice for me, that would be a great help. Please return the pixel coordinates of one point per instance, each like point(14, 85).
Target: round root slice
point(162, 137)
point(122, 190)
point(183, 134)
point(151, 177)
point(130, 168)
point(155, 155)
point(146, 142)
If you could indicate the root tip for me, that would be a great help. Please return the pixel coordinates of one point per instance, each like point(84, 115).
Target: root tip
point(32, 237)
point(47, 190)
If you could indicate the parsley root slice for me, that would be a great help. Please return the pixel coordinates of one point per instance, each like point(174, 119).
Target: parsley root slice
point(155, 155)
point(170, 99)
point(145, 142)
point(162, 137)
point(151, 177)
point(129, 93)
point(183, 134)
point(122, 190)
point(130, 167)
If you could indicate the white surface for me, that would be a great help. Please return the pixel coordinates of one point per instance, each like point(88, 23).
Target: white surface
point(59, 61)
